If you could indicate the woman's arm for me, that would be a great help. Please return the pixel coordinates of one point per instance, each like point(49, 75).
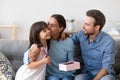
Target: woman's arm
point(33, 52)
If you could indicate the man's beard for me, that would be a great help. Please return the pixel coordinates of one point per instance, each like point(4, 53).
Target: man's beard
point(92, 33)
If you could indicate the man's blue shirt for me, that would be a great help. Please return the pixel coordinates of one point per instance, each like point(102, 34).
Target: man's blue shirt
point(98, 54)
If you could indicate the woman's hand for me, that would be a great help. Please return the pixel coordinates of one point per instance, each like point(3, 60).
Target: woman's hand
point(33, 53)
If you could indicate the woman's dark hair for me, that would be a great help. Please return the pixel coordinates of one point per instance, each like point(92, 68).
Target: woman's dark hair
point(35, 29)
point(61, 21)
point(98, 16)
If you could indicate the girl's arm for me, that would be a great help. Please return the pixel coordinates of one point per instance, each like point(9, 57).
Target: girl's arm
point(34, 53)
point(36, 64)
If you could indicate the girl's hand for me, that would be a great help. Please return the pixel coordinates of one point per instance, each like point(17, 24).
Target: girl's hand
point(46, 59)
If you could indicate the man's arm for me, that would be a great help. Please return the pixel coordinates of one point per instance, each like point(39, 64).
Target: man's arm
point(108, 59)
point(101, 73)
point(76, 37)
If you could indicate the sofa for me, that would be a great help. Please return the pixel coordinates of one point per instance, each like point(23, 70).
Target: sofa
point(14, 51)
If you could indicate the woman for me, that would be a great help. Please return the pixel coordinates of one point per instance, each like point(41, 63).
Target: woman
point(60, 50)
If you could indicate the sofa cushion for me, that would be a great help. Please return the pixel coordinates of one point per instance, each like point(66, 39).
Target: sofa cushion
point(6, 68)
point(117, 58)
point(14, 51)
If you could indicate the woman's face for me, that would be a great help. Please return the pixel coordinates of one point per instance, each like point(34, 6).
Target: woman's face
point(54, 26)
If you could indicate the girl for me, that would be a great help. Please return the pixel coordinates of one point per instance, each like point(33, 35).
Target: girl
point(34, 69)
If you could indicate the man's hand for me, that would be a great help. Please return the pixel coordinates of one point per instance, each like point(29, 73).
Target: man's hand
point(101, 73)
point(96, 78)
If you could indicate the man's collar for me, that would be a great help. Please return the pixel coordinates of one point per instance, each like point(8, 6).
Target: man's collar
point(97, 38)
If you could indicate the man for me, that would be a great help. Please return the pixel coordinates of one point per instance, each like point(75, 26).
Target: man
point(98, 48)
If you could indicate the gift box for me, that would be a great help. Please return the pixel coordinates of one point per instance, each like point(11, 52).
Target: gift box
point(67, 66)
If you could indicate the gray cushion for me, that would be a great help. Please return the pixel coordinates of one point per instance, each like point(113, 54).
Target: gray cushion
point(6, 67)
point(117, 58)
point(14, 51)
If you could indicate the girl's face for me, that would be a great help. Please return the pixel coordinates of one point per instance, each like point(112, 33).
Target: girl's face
point(45, 34)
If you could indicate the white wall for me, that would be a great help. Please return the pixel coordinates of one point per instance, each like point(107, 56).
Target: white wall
point(25, 12)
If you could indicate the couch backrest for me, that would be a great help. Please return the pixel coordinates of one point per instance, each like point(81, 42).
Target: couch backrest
point(77, 55)
point(117, 59)
point(14, 51)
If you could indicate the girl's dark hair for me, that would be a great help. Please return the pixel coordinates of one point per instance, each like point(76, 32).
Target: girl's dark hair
point(98, 16)
point(35, 29)
point(61, 21)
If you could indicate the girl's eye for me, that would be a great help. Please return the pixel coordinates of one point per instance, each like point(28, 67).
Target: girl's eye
point(48, 28)
point(44, 30)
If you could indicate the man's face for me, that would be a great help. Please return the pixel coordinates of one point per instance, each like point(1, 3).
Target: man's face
point(53, 26)
point(88, 26)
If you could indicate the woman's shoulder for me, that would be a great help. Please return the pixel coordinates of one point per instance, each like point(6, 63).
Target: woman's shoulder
point(68, 41)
